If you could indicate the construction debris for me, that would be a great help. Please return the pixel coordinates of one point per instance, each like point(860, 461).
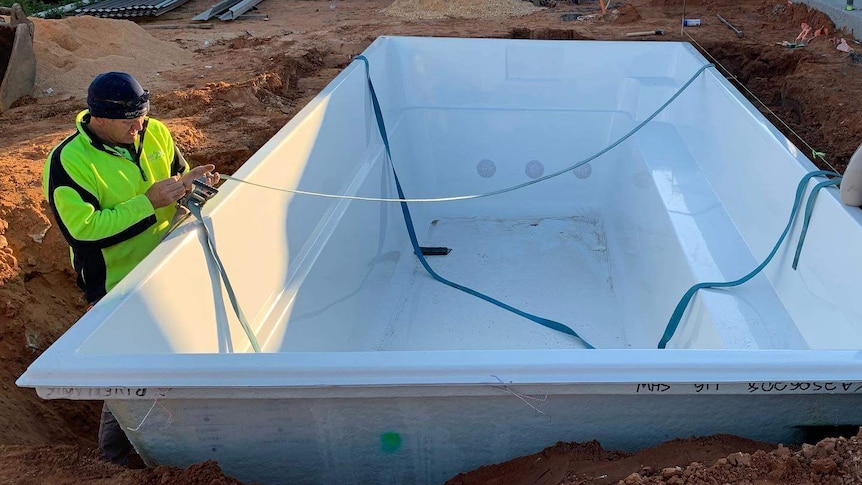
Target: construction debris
point(227, 10)
point(791, 45)
point(644, 33)
point(729, 25)
point(129, 8)
point(215, 10)
point(239, 9)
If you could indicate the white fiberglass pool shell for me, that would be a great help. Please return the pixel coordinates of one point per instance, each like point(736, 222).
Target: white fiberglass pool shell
point(373, 372)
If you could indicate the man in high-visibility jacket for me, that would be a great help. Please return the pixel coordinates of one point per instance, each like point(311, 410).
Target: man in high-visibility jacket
point(112, 187)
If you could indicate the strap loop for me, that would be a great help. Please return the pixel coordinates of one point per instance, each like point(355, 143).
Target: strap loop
point(678, 312)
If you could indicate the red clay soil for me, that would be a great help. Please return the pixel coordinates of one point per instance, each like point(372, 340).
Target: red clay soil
point(225, 91)
point(717, 459)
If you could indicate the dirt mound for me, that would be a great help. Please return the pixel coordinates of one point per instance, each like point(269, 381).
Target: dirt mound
point(458, 9)
point(72, 465)
point(71, 51)
point(626, 14)
point(710, 459)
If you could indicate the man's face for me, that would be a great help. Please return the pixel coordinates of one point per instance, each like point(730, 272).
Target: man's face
point(117, 132)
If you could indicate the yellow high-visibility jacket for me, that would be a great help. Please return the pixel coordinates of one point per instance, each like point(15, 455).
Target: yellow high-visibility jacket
point(97, 194)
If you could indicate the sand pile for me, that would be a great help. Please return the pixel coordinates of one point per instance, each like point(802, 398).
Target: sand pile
point(71, 51)
point(458, 9)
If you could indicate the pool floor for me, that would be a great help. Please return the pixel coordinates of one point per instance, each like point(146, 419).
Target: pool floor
point(556, 267)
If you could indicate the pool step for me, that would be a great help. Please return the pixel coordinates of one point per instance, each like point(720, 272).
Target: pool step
point(746, 316)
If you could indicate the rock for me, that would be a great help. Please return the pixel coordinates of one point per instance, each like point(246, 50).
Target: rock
point(633, 479)
point(824, 465)
point(40, 236)
point(10, 310)
point(782, 451)
point(739, 459)
point(691, 469)
point(672, 471)
point(808, 451)
point(826, 447)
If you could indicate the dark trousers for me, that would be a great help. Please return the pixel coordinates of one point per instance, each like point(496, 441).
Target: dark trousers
point(113, 443)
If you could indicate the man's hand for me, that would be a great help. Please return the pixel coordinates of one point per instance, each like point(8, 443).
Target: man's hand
point(212, 177)
point(165, 192)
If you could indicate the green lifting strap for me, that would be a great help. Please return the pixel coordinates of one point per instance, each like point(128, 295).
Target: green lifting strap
point(195, 209)
point(809, 208)
point(408, 221)
point(678, 312)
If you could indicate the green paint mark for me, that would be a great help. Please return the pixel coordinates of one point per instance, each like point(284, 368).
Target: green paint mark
point(390, 442)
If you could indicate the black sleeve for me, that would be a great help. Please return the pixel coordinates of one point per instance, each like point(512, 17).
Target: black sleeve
point(178, 165)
